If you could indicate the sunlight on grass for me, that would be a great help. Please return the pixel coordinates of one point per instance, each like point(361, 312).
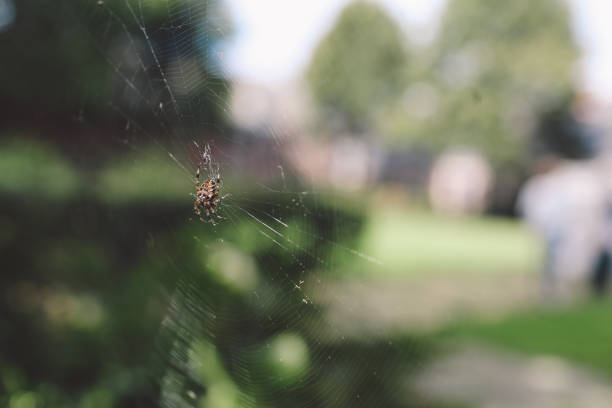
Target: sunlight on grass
point(418, 242)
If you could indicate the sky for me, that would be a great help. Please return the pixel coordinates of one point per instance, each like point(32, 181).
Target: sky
point(274, 39)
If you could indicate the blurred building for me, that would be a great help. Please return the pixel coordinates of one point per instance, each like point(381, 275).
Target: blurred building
point(345, 163)
point(264, 108)
point(342, 161)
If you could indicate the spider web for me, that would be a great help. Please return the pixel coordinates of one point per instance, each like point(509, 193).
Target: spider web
point(244, 328)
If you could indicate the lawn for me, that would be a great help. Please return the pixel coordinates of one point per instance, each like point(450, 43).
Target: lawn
point(416, 242)
point(581, 333)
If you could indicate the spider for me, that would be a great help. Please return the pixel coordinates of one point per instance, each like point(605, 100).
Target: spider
point(207, 197)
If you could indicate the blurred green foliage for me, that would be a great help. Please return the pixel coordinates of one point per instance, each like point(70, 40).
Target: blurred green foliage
point(60, 62)
point(36, 170)
point(115, 298)
point(359, 68)
point(83, 56)
point(492, 70)
point(148, 175)
point(496, 68)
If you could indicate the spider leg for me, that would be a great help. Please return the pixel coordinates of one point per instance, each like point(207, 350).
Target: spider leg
point(209, 216)
point(213, 211)
point(198, 177)
point(198, 212)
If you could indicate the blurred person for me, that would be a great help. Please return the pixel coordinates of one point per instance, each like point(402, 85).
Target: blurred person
point(565, 202)
point(602, 271)
point(460, 182)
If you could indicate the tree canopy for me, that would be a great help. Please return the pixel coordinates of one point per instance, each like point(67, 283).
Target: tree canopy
point(492, 70)
point(89, 53)
point(497, 66)
point(358, 68)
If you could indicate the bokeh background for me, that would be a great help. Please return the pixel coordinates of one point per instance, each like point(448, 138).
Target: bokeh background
point(418, 209)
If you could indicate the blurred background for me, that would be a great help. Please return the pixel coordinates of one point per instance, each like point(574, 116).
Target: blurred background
point(416, 211)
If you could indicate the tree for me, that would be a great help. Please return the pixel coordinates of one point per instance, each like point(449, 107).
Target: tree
point(83, 55)
point(493, 69)
point(359, 67)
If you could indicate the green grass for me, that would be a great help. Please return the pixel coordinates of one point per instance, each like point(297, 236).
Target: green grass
point(581, 333)
point(417, 242)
